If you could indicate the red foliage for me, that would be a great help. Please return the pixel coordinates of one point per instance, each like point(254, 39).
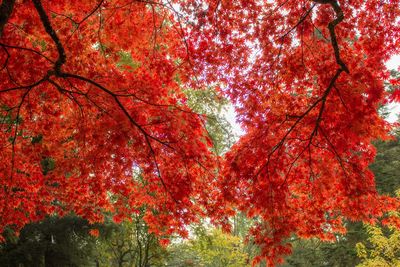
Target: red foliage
point(78, 122)
point(94, 232)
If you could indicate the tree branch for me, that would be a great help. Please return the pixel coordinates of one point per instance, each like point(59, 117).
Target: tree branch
point(59, 73)
point(331, 26)
point(50, 31)
point(6, 9)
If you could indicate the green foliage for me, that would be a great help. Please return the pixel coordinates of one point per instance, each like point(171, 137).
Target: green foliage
point(381, 249)
point(340, 253)
point(214, 249)
point(67, 242)
point(130, 244)
point(51, 242)
point(37, 139)
point(126, 61)
point(213, 106)
point(47, 164)
point(387, 166)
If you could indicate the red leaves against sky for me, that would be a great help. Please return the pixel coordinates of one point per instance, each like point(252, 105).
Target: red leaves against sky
point(94, 118)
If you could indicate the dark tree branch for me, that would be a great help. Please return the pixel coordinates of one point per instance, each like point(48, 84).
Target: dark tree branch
point(92, 12)
point(301, 20)
point(78, 24)
point(25, 87)
point(299, 118)
point(146, 135)
point(115, 97)
point(26, 49)
point(50, 31)
point(7, 58)
point(14, 139)
point(322, 99)
point(6, 9)
point(331, 26)
point(321, 110)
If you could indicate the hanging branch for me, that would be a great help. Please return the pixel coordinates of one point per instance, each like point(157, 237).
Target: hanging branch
point(59, 73)
point(331, 26)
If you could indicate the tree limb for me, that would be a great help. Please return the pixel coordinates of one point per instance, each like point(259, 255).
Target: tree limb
point(6, 9)
point(331, 26)
point(50, 31)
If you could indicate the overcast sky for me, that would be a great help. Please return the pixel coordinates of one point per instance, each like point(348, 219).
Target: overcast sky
point(394, 108)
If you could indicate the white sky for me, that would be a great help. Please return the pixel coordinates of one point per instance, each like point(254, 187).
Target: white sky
point(230, 116)
point(394, 108)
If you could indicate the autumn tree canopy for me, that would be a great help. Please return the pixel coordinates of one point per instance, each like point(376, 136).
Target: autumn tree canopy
point(94, 118)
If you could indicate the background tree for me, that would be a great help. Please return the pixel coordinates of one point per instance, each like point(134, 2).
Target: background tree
point(52, 242)
point(214, 107)
point(386, 166)
point(210, 249)
point(72, 241)
point(130, 244)
point(382, 249)
point(338, 253)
